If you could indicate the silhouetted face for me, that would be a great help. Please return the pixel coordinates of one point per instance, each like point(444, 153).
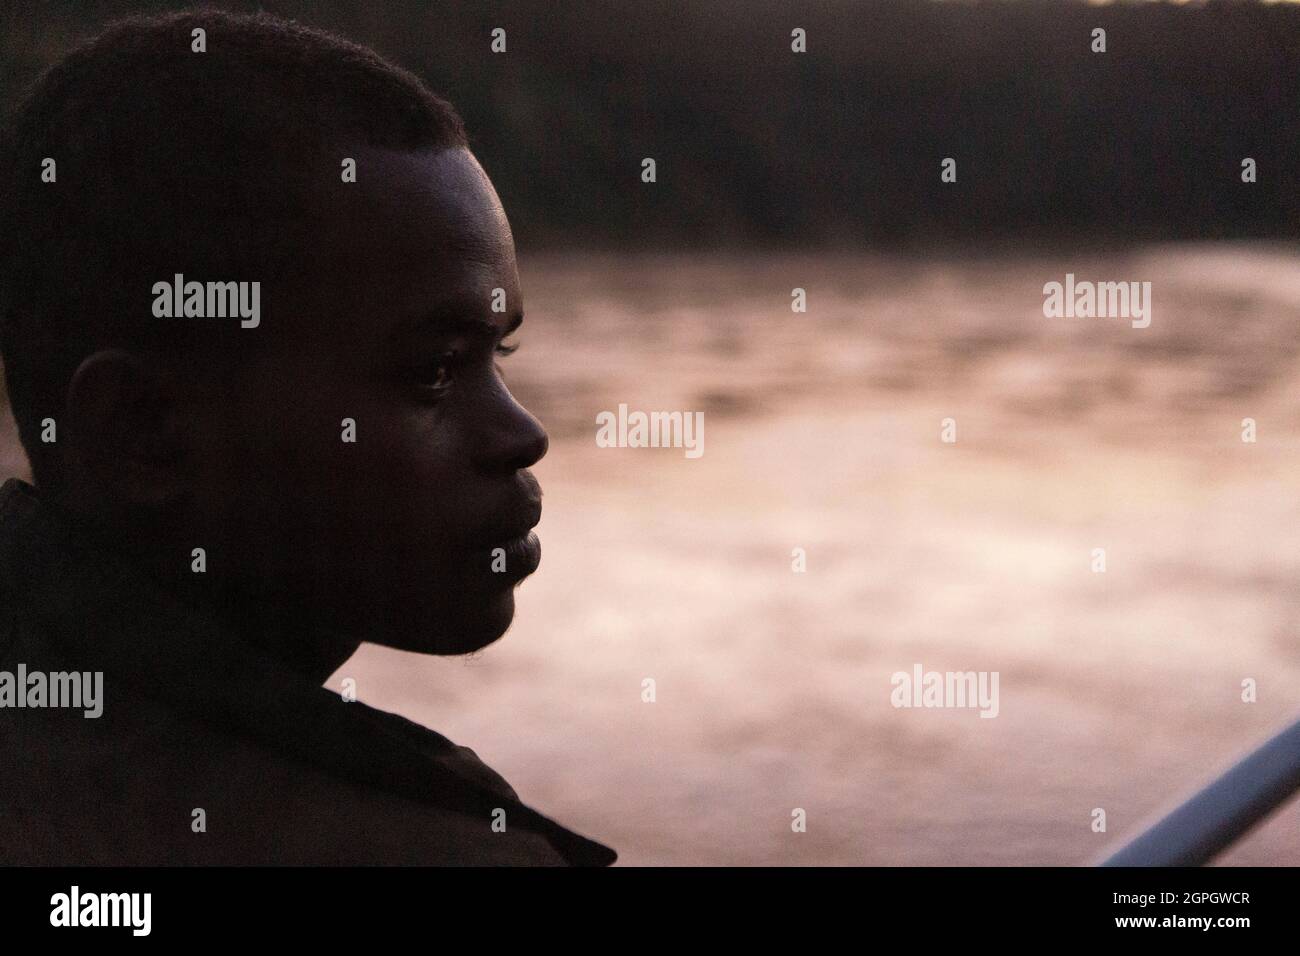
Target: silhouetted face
point(415, 533)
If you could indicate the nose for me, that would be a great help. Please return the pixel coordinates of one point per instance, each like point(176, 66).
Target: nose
point(514, 439)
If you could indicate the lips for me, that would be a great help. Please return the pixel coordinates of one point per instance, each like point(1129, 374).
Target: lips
point(510, 540)
point(522, 556)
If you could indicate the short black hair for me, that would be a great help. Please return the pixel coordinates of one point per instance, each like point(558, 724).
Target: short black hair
point(171, 161)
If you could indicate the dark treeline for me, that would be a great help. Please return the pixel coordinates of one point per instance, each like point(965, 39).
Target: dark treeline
point(842, 144)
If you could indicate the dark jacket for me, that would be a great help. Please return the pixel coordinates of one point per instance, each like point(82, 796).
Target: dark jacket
point(194, 718)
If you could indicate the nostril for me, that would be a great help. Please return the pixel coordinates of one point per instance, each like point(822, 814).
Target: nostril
point(507, 438)
point(532, 446)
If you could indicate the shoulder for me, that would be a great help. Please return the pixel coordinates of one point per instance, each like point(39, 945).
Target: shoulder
point(146, 786)
point(459, 758)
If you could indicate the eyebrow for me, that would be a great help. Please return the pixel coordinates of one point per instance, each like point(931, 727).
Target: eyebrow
point(460, 315)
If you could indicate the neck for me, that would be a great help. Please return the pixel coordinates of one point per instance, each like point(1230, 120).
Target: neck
point(304, 646)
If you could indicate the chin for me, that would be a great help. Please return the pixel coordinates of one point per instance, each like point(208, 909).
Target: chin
point(467, 630)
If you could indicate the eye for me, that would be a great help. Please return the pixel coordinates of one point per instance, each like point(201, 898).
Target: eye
point(438, 374)
point(503, 350)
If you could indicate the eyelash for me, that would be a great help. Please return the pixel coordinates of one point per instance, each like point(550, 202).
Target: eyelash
point(449, 360)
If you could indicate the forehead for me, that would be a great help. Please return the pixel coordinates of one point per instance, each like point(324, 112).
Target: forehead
point(415, 230)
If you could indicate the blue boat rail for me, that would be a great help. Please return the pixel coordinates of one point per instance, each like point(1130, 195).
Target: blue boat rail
point(1218, 815)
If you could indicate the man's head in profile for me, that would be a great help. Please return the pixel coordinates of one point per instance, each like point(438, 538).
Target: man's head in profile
point(350, 462)
point(255, 291)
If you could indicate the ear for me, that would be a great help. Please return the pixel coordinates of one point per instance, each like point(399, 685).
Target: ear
point(123, 435)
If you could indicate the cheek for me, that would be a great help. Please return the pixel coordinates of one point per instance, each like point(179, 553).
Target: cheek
point(401, 484)
point(358, 477)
